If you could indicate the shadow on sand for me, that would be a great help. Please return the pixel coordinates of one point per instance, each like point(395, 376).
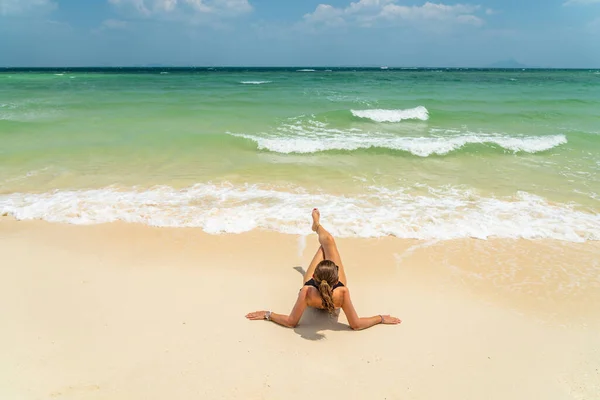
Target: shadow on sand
point(314, 321)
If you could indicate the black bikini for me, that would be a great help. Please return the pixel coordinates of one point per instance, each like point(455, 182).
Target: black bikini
point(314, 284)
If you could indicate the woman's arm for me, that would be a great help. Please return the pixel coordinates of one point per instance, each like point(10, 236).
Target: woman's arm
point(357, 323)
point(290, 321)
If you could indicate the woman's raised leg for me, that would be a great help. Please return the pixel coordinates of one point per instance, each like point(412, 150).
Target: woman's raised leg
point(319, 256)
point(330, 250)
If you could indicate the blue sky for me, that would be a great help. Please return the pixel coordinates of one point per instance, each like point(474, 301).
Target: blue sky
point(544, 33)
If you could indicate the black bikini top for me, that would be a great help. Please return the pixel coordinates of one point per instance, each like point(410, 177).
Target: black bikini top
point(314, 284)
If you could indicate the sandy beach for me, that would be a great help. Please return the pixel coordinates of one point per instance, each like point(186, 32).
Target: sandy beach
point(121, 311)
point(160, 166)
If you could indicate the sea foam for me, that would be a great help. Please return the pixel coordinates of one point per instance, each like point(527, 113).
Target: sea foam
point(418, 146)
point(379, 115)
point(254, 82)
point(440, 214)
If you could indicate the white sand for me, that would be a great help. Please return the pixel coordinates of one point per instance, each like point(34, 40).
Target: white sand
point(132, 312)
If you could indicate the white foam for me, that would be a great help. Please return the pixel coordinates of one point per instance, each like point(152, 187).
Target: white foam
point(305, 70)
point(440, 214)
point(309, 127)
point(379, 115)
point(255, 82)
point(419, 146)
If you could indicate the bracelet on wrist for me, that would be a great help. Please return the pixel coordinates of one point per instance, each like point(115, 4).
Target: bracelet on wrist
point(381, 316)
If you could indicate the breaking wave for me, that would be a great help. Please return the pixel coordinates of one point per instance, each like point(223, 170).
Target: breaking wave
point(255, 82)
point(379, 115)
point(443, 214)
point(418, 146)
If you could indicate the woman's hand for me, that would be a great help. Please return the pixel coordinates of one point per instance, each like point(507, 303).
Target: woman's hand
point(388, 320)
point(256, 315)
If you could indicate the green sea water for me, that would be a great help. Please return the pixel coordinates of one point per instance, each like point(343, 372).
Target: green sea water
point(420, 153)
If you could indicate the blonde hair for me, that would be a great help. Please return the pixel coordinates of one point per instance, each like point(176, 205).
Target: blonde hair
point(326, 276)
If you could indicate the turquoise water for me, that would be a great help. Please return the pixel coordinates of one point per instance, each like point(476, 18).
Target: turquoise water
point(430, 154)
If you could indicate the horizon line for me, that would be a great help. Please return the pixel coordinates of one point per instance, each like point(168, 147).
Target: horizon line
point(382, 67)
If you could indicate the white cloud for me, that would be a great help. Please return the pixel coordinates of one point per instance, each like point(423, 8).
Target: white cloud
point(575, 2)
point(16, 7)
point(368, 12)
point(327, 15)
point(182, 9)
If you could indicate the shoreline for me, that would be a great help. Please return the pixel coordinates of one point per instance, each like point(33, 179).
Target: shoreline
point(134, 312)
point(530, 276)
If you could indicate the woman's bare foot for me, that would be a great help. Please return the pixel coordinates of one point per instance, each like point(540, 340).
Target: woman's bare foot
point(316, 216)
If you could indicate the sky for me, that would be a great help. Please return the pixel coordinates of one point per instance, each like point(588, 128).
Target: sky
point(477, 33)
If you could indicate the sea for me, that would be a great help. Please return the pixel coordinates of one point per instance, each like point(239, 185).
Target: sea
point(433, 154)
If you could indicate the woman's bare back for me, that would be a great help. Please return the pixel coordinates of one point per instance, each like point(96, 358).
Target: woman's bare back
point(314, 299)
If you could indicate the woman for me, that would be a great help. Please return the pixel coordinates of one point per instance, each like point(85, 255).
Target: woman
point(324, 288)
